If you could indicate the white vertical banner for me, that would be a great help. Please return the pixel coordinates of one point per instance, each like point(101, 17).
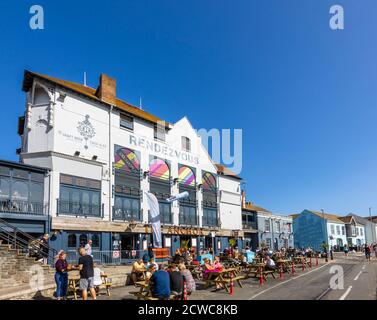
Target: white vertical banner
point(154, 210)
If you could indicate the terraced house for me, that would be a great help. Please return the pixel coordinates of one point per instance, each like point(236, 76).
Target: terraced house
point(101, 154)
point(314, 228)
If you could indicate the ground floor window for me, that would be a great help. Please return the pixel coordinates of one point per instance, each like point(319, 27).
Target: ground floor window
point(78, 240)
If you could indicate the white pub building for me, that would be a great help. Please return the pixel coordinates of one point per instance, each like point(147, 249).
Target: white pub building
point(103, 153)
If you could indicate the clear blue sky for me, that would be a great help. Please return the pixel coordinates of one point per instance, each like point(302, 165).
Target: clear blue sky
point(304, 95)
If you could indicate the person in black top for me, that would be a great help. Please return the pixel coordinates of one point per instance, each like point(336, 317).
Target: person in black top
point(86, 274)
point(176, 280)
point(43, 245)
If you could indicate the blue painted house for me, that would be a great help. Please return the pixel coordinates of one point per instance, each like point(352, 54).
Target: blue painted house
point(313, 228)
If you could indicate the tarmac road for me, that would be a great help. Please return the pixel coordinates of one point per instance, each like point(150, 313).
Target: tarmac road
point(359, 283)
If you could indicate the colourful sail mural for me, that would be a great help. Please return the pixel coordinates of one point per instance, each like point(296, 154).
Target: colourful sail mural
point(127, 160)
point(186, 176)
point(209, 181)
point(158, 168)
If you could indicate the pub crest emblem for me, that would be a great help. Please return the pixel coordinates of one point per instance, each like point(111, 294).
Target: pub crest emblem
point(86, 130)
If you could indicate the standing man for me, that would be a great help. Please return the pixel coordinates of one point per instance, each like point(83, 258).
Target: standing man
point(86, 274)
point(88, 248)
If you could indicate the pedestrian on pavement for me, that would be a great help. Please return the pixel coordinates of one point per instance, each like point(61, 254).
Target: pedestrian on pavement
point(88, 248)
point(61, 275)
point(86, 268)
point(345, 250)
point(367, 252)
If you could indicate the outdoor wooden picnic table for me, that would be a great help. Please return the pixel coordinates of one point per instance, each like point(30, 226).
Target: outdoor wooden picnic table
point(145, 291)
point(259, 268)
point(284, 263)
point(74, 284)
point(223, 278)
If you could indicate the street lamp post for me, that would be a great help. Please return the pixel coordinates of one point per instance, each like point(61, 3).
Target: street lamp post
point(371, 225)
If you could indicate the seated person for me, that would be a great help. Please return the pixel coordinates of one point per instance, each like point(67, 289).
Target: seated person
point(160, 284)
point(177, 256)
point(187, 276)
point(152, 262)
point(97, 280)
point(176, 281)
point(208, 268)
point(138, 268)
point(217, 265)
point(270, 264)
point(151, 269)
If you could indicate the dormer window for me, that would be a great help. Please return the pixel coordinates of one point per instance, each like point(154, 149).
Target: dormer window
point(159, 132)
point(126, 122)
point(186, 144)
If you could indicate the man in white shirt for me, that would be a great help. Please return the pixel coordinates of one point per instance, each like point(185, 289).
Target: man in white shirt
point(88, 248)
point(270, 264)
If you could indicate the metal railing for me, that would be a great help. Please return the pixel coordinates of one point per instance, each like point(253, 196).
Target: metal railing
point(251, 225)
point(24, 242)
point(79, 209)
point(121, 214)
point(23, 207)
point(188, 220)
point(189, 201)
point(209, 221)
point(108, 257)
point(209, 204)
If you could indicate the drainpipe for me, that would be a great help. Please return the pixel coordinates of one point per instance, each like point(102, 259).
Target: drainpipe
point(49, 174)
point(110, 163)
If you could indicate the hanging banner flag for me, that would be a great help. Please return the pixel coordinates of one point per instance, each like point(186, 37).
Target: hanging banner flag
point(155, 219)
point(181, 195)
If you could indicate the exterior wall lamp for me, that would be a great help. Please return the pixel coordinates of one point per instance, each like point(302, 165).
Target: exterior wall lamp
point(145, 174)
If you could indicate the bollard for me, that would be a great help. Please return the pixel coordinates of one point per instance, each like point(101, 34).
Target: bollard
point(310, 262)
point(281, 272)
point(293, 268)
point(303, 264)
point(231, 292)
point(316, 260)
point(261, 277)
point(184, 290)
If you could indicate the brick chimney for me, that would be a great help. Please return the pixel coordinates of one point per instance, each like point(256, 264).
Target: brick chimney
point(106, 90)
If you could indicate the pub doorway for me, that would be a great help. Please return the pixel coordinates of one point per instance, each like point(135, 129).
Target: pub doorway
point(185, 242)
point(129, 242)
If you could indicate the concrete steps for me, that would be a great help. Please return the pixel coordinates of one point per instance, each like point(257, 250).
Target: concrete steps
point(18, 272)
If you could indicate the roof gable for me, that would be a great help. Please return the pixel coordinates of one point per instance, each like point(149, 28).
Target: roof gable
point(89, 93)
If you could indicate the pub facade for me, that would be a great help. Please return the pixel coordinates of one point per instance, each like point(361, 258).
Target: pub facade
point(103, 154)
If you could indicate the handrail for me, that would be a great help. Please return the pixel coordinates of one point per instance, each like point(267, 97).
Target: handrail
point(24, 244)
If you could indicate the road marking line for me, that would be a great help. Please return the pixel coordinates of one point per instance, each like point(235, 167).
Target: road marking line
point(358, 275)
point(346, 293)
point(279, 284)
